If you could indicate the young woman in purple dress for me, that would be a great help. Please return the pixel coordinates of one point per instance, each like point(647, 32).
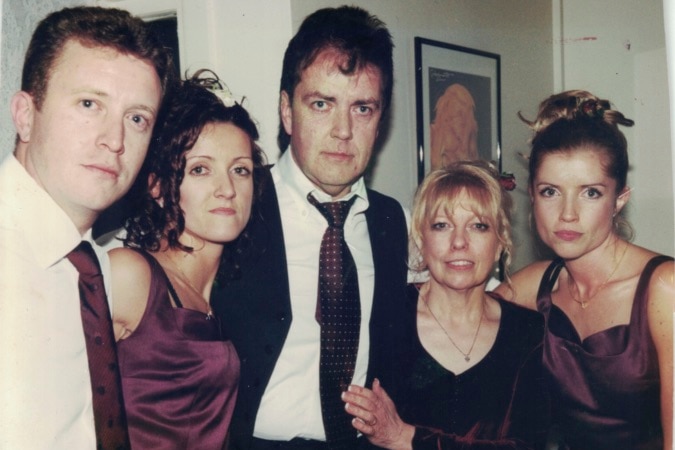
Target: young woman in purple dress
point(179, 373)
point(608, 304)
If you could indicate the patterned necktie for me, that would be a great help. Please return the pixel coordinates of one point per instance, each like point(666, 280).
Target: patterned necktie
point(109, 417)
point(339, 314)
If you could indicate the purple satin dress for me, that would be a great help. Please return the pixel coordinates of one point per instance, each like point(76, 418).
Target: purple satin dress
point(605, 388)
point(179, 376)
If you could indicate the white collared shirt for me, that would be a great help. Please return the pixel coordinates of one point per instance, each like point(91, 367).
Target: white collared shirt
point(45, 390)
point(291, 406)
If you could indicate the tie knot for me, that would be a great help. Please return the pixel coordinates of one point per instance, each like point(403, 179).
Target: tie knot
point(84, 259)
point(334, 212)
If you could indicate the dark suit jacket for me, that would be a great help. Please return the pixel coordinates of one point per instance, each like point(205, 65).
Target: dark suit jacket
point(255, 309)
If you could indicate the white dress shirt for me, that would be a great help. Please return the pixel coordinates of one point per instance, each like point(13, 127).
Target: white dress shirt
point(291, 406)
point(45, 391)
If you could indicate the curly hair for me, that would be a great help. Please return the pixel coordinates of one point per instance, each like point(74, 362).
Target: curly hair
point(196, 103)
point(575, 120)
point(439, 191)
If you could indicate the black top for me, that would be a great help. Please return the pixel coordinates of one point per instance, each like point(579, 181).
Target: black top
point(501, 402)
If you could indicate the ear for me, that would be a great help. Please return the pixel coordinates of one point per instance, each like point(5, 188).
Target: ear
point(23, 114)
point(153, 186)
point(621, 200)
point(286, 112)
point(498, 255)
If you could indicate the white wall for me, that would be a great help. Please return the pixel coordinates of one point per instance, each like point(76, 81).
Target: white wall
point(19, 18)
point(518, 30)
point(244, 43)
point(623, 58)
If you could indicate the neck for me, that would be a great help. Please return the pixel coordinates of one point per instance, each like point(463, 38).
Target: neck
point(199, 267)
point(461, 305)
point(585, 269)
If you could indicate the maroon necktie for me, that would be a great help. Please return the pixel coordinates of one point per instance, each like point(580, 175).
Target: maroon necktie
point(106, 389)
point(339, 314)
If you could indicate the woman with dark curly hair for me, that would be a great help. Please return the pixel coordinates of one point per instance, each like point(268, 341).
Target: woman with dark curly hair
point(179, 374)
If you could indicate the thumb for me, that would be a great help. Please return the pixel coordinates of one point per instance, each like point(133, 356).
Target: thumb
point(379, 390)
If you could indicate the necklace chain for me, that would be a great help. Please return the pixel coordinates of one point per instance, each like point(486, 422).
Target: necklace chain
point(584, 303)
point(467, 358)
point(209, 314)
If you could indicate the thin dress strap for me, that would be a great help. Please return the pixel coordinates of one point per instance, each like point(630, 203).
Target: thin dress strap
point(549, 279)
point(155, 265)
point(172, 291)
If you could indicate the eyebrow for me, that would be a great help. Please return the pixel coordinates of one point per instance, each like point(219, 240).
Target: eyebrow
point(99, 93)
point(358, 102)
point(545, 183)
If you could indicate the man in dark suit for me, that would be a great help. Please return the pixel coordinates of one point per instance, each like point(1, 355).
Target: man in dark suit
point(336, 86)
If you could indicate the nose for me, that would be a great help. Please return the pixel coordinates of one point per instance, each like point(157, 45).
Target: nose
point(224, 187)
point(112, 136)
point(569, 210)
point(342, 124)
point(459, 239)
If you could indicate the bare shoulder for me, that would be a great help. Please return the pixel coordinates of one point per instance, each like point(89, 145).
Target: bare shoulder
point(130, 288)
point(128, 265)
point(524, 285)
point(661, 291)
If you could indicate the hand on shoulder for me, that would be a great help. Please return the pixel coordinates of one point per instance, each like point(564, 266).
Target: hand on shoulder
point(130, 288)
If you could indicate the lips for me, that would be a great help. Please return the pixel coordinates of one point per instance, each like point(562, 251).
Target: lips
point(461, 264)
point(338, 156)
point(103, 169)
point(567, 235)
point(223, 211)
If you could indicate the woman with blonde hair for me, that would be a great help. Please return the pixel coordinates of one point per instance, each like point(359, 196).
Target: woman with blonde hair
point(474, 373)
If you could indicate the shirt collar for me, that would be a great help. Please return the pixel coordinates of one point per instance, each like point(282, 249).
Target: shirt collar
point(50, 233)
point(300, 186)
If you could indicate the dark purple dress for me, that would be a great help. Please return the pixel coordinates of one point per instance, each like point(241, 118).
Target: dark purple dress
point(179, 376)
point(605, 388)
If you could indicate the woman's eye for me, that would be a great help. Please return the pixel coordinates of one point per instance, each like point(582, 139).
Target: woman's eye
point(481, 226)
point(439, 226)
point(593, 193)
point(547, 192)
point(242, 170)
point(198, 170)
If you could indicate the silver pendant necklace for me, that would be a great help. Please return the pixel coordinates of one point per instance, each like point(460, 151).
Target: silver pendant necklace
point(466, 355)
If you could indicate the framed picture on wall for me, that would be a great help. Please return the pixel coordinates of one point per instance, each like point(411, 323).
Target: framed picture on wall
point(458, 104)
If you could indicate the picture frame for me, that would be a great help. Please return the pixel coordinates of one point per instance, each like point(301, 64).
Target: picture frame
point(448, 80)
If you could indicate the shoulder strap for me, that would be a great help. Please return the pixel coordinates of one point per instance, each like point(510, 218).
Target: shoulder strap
point(158, 271)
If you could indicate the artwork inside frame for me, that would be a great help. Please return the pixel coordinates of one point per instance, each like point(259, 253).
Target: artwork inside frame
point(458, 104)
